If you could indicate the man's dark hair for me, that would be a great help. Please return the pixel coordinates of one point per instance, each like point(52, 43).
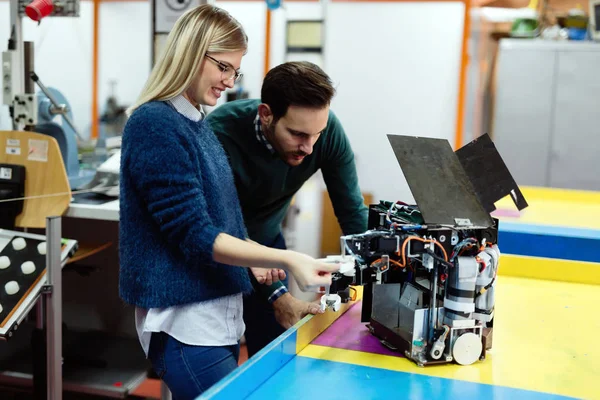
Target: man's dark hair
point(298, 83)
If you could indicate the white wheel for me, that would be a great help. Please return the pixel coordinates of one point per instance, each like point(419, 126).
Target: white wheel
point(467, 349)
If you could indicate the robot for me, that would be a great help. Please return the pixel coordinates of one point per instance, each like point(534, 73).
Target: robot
point(429, 269)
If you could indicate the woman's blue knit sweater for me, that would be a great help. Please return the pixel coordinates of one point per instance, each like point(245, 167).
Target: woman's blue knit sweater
point(176, 195)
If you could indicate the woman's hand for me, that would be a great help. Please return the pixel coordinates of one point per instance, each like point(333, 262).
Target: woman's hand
point(310, 274)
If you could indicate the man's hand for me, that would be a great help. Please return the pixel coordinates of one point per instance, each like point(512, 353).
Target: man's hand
point(268, 276)
point(289, 310)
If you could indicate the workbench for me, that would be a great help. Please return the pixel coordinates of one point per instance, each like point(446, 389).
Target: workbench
point(544, 344)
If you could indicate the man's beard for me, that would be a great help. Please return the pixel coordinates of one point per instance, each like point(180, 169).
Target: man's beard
point(269, 132)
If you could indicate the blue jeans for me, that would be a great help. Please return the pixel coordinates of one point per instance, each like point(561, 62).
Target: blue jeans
point(188, 370)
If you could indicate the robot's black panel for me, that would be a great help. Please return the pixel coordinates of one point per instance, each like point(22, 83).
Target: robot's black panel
point(438, 182)
point(487, 171)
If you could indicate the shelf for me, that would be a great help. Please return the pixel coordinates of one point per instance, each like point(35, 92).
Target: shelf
point(94, 362)
point(86, 250)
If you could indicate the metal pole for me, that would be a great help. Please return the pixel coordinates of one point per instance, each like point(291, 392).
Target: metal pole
point(16, 32)
point(58, 108)
point(16, 47)
point(433, 306)
point(54, 308)
point(39, 351)
point(29, 67)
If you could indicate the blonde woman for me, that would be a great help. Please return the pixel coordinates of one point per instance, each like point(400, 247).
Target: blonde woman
point(183, 245)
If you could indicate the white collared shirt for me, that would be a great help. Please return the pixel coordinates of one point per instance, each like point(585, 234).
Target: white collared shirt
point(217, 322)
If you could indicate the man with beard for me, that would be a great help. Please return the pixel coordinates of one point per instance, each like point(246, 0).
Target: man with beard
point(274, 146)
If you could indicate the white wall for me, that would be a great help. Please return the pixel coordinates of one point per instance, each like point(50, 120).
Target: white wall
point(124, 51)
point(422, 55)
point(252, 15)
point(300, 10)
point(63, 56)
point(398, 74)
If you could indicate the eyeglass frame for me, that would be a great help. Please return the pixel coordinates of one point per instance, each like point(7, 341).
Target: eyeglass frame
point(222, 66)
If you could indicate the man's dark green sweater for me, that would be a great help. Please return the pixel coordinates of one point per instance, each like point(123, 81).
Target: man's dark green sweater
point(266, 184)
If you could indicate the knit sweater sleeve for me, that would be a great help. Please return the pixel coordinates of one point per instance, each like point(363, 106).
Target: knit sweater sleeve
point(161, 166)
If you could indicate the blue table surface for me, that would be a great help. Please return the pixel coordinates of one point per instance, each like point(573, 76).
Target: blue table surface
point(310, 378)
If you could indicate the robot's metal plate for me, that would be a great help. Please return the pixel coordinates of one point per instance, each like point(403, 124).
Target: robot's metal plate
point(490, 177)
point(438, 182)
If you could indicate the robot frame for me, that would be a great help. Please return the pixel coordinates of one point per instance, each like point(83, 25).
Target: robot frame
point(429, 270)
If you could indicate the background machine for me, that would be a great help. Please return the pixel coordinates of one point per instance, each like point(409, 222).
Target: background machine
point(429, 270)
point(48, 111)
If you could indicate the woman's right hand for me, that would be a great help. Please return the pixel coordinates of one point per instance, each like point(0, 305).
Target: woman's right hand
point(309, 273)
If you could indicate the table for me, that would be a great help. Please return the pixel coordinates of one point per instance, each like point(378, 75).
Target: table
point(539, 352)
point(544, 329)
point(108, 211)
point(558, 235)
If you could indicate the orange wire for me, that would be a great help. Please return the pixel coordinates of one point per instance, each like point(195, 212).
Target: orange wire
point(403, 264)
point(396, 263)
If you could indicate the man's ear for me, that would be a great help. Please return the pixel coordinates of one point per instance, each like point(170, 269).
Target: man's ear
point(265, 114)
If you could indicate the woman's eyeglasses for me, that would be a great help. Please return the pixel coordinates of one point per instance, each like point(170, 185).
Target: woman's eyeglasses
point(227, 71)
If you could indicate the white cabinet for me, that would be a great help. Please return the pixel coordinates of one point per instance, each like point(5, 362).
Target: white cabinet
point(547, 112)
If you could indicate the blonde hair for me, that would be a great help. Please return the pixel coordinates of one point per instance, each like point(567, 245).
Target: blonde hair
point(203, 29)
